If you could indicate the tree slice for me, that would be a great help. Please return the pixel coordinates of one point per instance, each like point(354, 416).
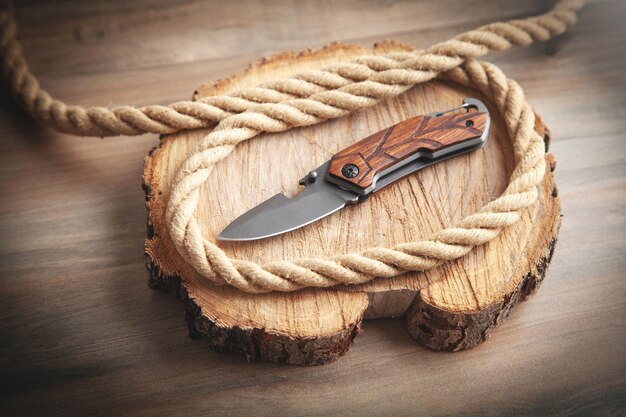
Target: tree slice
point(452, 307)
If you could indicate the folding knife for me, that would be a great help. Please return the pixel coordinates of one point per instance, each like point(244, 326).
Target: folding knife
point(355, 173)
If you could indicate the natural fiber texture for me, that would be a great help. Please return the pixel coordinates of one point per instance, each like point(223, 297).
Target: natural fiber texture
point(311, 98)
point(336, 91)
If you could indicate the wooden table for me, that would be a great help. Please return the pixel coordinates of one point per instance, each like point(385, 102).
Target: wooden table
point(81, 333)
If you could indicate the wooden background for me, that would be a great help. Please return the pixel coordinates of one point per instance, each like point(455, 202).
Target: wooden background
point(81, 333)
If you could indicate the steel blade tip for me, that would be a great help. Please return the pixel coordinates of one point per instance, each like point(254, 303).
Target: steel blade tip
point(236, 230)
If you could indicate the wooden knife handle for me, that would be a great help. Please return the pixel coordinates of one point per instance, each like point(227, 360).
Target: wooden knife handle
point(359, 163)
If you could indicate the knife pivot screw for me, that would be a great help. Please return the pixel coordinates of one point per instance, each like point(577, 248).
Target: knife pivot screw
point(312, 177)
point(469, 123)
point(350, 170)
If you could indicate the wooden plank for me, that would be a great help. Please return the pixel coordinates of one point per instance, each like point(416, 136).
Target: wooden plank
point(81, 334)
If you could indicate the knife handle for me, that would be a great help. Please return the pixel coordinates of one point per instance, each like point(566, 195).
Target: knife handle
point(359, 165)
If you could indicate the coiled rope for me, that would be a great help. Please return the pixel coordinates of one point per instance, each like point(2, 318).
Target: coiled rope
point(310, 98)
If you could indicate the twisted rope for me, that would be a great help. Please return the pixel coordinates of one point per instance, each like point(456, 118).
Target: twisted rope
point(310, 98)
point(337, 90)
point(210, 261)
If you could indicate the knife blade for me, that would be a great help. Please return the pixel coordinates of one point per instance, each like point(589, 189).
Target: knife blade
point(360, 170)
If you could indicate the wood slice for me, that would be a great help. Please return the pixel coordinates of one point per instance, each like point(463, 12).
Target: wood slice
point(448, 308)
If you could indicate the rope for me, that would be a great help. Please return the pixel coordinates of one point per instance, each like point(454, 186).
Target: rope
point(310, 98)
point(336, 91)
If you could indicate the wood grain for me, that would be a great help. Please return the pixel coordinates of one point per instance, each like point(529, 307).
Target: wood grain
point(382, 150)
point(81, 335)
point(469, 297)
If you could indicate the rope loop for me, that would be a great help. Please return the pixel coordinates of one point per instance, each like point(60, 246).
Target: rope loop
point(307, 99)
